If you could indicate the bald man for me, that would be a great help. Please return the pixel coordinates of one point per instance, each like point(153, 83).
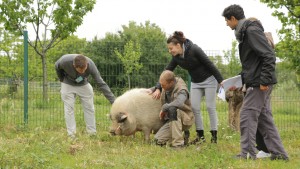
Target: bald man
point(176, 111)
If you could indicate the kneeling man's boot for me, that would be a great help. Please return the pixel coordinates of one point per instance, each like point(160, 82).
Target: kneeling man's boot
point(186, 137)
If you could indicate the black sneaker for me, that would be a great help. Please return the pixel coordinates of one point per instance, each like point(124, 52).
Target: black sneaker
point(279, 157)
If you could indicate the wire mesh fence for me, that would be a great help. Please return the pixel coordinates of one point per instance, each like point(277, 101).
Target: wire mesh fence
point(50, 113)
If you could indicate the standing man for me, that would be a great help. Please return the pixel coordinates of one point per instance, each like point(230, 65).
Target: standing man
point(73, 71)
point(258, 75)
point(176, 110)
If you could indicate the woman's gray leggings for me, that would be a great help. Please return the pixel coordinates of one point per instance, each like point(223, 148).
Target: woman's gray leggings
point(210, 95)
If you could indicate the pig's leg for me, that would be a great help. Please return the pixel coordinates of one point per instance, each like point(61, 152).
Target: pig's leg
point(147, 134)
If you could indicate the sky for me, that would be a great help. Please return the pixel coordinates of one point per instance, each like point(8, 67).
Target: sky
point(200, 20)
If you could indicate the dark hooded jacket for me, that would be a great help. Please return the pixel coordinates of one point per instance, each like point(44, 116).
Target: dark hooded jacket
point(256, 55)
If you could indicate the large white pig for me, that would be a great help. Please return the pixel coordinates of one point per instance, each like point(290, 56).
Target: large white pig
point(134, 111)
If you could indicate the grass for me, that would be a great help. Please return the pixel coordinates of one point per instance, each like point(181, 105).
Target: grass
point(43, 142)
point(50, 148)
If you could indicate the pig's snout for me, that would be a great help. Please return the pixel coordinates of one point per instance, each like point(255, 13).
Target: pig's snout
point(112, 132)
point(116, 131)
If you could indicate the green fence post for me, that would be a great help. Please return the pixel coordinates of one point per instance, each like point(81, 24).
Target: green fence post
point(26, 77)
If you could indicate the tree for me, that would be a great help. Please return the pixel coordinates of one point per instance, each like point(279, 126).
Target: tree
point(8, 45)
point(233, 65)
point(151, 38)
point(153, 48)
point(153, 42)
point(288, 48)
point(61, 17)
point(130, 58)
point(9, 42)
point(102, 51)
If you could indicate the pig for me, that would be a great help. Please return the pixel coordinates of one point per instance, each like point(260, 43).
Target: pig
point(134, 111)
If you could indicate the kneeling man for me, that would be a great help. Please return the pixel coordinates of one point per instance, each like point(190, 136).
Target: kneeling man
point(176, 111)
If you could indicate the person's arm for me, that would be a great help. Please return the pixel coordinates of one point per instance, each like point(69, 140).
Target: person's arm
point(102, 86)
point(172, 65)
point(177, 102)
point(157, 88)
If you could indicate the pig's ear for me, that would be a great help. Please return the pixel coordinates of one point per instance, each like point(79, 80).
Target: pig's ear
point(121, 117)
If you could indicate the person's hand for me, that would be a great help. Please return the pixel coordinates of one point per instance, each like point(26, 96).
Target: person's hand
point(263, 88)
point(156, 94)
point(222, 83)
point(162, 115)
point(149, 91)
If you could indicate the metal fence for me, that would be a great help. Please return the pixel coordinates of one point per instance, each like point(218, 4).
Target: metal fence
point(49, 113)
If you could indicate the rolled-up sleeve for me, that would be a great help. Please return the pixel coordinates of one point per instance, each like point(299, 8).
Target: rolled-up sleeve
point(177, 102)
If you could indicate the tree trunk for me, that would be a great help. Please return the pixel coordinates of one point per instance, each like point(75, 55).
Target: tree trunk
point(45, 77)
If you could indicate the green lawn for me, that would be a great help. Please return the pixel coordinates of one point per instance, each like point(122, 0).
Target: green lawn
point(50, 148)
point(44, 144)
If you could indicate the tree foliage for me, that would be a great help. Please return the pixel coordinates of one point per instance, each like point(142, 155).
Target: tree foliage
point(130, 58)
point(61, 17)
point(288, 13)
point(153, 54)
point(153, 47)
point(8, 53)
point(233, 64)
point(150, 36)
